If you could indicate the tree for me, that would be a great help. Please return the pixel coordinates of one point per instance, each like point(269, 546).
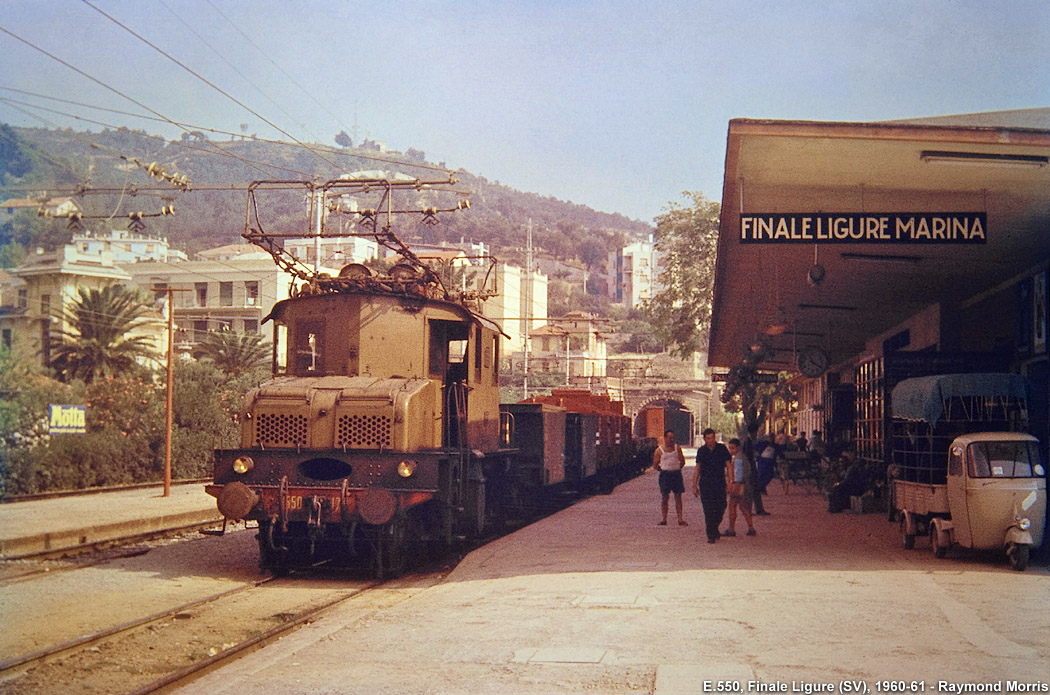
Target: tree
point(14, 161)
point(343, 140)
point(97, 343)
point(686, 237)
point(592, 252)
point(206, 401)
point(234, 353)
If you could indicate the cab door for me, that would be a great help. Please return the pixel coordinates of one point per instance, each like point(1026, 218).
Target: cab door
point(957, 498)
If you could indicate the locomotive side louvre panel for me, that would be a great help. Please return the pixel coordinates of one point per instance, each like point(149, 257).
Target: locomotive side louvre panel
point(394, 414)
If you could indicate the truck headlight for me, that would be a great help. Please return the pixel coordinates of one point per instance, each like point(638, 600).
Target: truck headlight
point(243, 464)
point(1025, 524)
point(405, 469)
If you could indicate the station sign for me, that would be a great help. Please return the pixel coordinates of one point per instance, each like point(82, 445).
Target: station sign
point(756, 378)
point(864, 228)
point(66, 419)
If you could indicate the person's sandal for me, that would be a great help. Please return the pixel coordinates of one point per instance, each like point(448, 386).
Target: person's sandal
point(729, 533)
point(750, 532)
point(683, 523)
point(662, 523)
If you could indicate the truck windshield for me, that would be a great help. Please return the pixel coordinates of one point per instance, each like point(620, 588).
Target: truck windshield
point(1004, 460)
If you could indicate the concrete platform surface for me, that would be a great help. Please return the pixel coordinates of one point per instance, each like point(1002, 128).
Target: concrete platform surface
point(599, 599)
point(65, 522)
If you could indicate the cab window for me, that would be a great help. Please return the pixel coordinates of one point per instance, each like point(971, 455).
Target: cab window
point(309, 347)
point(1003, 460)
point(448, 350)
point(280, 347)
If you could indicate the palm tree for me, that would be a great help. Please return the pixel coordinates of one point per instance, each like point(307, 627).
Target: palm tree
point(234, 353)
point(96, 342)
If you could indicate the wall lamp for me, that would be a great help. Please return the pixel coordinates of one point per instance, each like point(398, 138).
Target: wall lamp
point(1026, 161)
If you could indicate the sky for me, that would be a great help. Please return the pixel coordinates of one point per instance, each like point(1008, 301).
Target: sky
point(621, 105)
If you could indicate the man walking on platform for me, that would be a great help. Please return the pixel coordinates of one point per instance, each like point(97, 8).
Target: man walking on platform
point(709, 482)
point(669, 460)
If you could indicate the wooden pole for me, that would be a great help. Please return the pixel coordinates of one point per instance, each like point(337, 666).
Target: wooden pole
point(169, 407)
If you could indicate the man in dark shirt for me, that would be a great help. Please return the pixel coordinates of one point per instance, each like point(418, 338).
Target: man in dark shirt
point(709, 482)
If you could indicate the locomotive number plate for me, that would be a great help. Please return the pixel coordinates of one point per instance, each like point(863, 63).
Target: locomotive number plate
point(294, 503)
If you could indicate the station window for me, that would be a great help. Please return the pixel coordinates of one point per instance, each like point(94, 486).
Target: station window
point(7, 338)
point(869, 383)
point(200, 292)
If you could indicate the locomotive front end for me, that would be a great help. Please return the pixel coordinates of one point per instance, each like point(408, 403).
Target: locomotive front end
point(319, 456)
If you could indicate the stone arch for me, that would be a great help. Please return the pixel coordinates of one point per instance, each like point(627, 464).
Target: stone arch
point(676, 416)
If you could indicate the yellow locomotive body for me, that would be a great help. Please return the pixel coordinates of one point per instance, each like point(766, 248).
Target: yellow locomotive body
point(374, 430)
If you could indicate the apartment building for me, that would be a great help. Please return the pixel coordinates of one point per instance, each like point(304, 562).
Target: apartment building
point(232, 295)
point(633, 273)
point(44, 286)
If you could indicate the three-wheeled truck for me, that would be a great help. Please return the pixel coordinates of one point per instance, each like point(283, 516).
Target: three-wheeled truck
point(965, 472)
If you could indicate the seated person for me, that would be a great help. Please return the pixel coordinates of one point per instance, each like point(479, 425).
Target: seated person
point(853, 484)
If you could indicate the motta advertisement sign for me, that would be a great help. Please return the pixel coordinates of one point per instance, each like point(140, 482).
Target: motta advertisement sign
point(864, 228)
point(66, 419)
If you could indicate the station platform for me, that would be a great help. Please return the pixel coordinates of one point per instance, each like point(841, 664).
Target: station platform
point(599, 599)
point(62, 523)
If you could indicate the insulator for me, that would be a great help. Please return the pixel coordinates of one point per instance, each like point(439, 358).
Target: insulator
point(463, 204)
point(151, 169)
point(134, 215)
point(167, 210)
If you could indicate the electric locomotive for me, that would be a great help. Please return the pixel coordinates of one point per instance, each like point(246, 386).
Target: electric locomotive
point(374, 430)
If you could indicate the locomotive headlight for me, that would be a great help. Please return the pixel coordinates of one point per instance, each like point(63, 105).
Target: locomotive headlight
point(243, 464)
point(405, 469)
point(1025, 524)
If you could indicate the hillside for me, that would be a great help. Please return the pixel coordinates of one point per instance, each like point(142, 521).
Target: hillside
point(65, 162)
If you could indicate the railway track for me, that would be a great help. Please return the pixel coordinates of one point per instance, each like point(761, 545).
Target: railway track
point(157, 652)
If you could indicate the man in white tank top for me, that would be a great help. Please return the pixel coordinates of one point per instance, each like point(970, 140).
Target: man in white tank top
point(669, 460)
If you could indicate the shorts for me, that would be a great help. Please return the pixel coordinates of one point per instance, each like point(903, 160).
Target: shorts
point(671, 481)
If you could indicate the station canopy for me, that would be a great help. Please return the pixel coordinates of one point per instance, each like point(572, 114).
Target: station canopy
point(985, 176)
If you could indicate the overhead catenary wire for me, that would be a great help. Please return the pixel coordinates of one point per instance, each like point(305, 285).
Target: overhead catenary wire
point(91, 77)
point(233, 67)
point(278, 66)
point(190, 127)
point(217, 151)
point(206, 81)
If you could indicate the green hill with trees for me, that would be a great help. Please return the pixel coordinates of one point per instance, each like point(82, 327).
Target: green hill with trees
point(210, 210)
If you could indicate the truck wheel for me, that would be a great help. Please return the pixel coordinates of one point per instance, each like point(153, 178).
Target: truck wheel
point(1018, 554)
point(909, 538)
point(935, 545)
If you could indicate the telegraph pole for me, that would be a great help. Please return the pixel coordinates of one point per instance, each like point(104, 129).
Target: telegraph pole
point(170, 389)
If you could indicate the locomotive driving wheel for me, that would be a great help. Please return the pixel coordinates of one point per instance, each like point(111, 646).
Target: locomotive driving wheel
point(272, 556)
point(391, 547)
